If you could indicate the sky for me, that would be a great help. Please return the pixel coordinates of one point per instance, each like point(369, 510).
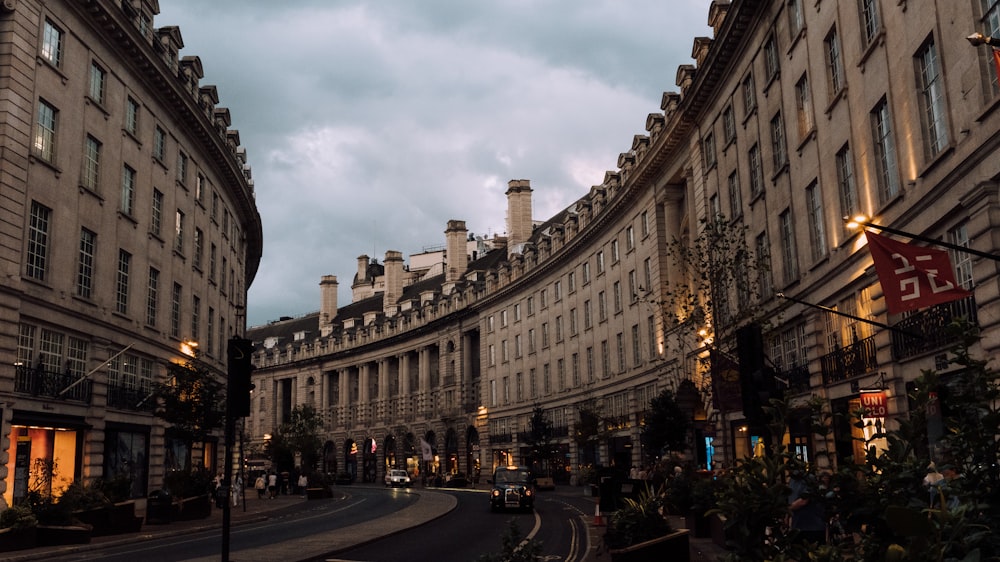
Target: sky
point(368, 125)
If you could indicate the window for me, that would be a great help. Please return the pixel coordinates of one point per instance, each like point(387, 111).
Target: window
point(156, 219)
point(492, 355)
point(735, 201)
point(762, 253)
point(182, 167)
point(834, 64)
point(575, 369)
point(588, 320)
point(615, 256)
point(620, 347)
point(708, 151)
point(770, 60)
point(629, 239)
point(849, 206)
point(128, 190)
point(817, 227)
point(803, 105)
point(959, 236)
point(779, 150)
point(932, 107)
point(195, 317)
point(489, 321)
point(98, 81)
point(179, 232)
point(870, 25)
point(585, 271)
point(52, 44)
point(517, 346)
point(199, 187)
point(131, 116)
point(795, 21)
point(602, 307)
point(571, 281)
point(215, 205)
point(121, 282)
point(545, 335)
point(45, 132)
point(714, 207)
point(647, 272)
point(557, 290)
point(887, 172)
point(38, 241)
point(530, 303)
point(617, 295)
point(749, 95)
point(651, 334)
point(559, 329)
point(636, 346)
point(159, 144)
point(600, 262)
point(644, 224)
point(152, 296)
point(605, 359)
point(531, 340)
point(211, 263)
point(175, 311)
point(756, 171)
point(546, 379)
point(633, 287)
point(85, 264)
point(503, 313)
point(788, 348)
point(532, 383)
point(728, 127)
point(560, 374)
point(208, 331)
point(543, 297)
point(572, 322)
point(991, 26)
point(199, 247)
point(789, 261)
point(222, 272)
point(91, 175)
point(590, 364)
point(504, 353)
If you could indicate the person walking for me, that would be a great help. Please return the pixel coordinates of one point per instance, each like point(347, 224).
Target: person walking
point(303, 483)
point(260, 486)
point(272, 485)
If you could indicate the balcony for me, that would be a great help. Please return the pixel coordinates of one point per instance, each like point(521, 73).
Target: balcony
point(798, 379)
point(133, 399)
point(930, 327)
point(850, 361)
point(38, 382)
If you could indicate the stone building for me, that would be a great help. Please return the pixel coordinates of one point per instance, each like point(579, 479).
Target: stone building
point(130, 234)
point(794, 115)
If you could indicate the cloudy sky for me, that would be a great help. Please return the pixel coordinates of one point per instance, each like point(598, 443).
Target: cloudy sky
point(370, 125)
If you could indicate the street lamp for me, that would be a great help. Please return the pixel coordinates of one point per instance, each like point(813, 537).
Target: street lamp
point(978, 39)
point(858, 221)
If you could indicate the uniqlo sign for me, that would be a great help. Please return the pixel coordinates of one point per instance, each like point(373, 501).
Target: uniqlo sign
point(911, 276)
point(874, 404)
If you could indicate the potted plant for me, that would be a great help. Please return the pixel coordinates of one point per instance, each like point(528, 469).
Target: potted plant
point(640, 531)
point(191, 492)
point(18, 528)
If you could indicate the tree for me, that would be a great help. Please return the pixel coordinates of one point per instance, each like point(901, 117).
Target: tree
point(539, 438)
point(192, 400)
point(300, 434)
point(666, 425)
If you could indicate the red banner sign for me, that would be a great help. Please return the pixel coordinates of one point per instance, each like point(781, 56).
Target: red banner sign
point(912, 276)
point(874, 404)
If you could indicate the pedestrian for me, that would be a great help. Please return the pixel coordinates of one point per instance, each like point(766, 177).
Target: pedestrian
point(272, 485)
point(806, 506)
point(285, 482)
point(260, 486)
point(303, 483)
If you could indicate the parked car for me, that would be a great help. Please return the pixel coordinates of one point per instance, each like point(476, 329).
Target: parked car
point(512, 489)
point(398, 478)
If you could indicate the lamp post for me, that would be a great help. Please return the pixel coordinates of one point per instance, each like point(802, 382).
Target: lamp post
point(862, 221)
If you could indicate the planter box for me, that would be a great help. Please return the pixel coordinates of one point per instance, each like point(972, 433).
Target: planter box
point(197, 507)
point(52, 535)
point(18, 539)
point(112, 519)
point(675, 547)
point(318, 493)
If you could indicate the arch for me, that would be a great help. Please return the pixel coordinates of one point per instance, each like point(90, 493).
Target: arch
point(389, 452)
point(472, 462)
point(329, 458)
point(451, 451)
point(368, 459)
point(351, 458)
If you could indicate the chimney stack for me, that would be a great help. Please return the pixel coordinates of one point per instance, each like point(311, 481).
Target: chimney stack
point(393, 280)
point(518, 214)
point(328, 302)
point(455, 247)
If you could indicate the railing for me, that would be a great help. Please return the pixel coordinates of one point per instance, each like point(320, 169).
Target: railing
point(850, 361)
point(134, 399)
point(930, 328)
point(798, 379)
point(38, 382)
point(502, 438)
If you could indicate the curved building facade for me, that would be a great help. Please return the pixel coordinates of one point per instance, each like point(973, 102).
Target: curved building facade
point(791, 117)
point(130, 236)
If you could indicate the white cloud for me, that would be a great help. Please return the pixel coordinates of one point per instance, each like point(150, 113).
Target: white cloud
point(369, 125)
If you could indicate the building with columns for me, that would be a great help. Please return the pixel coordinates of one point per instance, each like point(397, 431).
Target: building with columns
point(792, 116)
point(130, 234)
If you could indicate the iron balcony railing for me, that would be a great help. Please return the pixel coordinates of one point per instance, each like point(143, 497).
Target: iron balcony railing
point(39, 382)
point(798, 379)
point(134, 399)
point(929, 328)
point(850, 361)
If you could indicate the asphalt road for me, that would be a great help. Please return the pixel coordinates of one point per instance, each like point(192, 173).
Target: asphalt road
point(285, 526)
point(471, 530)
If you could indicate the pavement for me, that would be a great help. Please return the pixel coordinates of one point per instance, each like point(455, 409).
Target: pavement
point(430, 505)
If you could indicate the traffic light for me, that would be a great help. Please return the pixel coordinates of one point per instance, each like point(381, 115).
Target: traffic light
point(239, 354)
point(757, 383)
